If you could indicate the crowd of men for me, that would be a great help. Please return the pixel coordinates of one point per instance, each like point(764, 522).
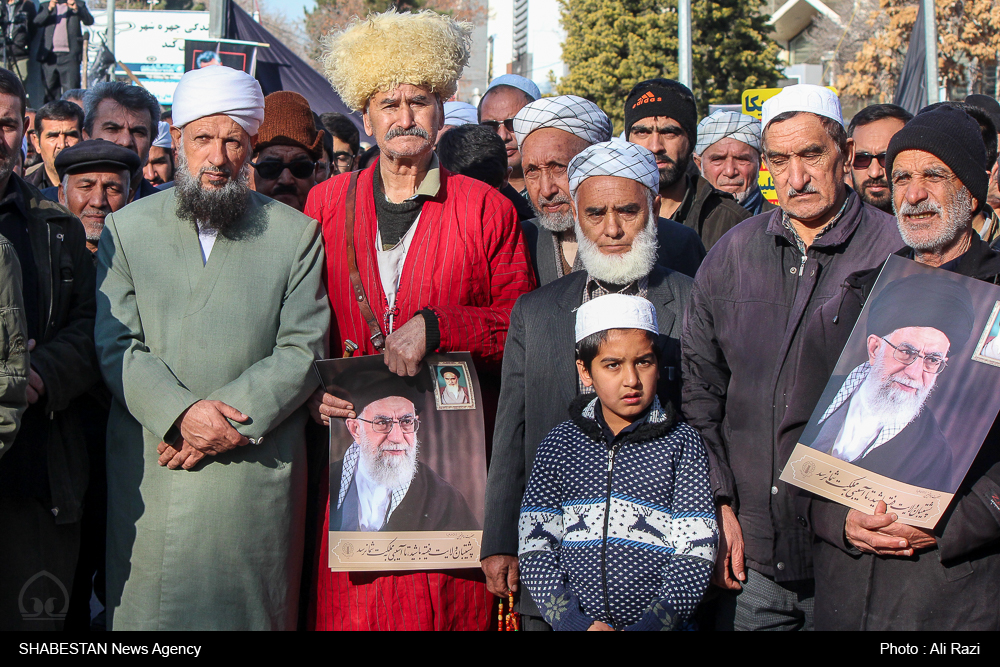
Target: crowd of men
point(169, 278)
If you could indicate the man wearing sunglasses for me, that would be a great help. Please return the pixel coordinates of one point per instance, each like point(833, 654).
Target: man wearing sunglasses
point(871, 571)
point(505, 96)
point(872, 128)
point(288, 147)
point(381, 483)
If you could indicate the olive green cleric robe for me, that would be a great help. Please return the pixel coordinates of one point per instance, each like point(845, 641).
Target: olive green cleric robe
point(220, 546)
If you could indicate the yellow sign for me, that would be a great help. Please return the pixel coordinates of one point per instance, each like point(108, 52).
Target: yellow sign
point(766, 184)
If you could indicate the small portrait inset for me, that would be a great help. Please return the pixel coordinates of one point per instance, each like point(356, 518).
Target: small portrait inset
point(453, 391)
point(988, 349)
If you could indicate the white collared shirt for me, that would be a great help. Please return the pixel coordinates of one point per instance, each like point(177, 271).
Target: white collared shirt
point(373, 502)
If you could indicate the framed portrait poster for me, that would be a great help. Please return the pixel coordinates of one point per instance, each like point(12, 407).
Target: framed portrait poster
point(408, 474)
point(911, 399)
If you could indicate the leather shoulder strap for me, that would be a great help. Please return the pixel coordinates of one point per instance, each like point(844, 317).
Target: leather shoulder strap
point(377, 338)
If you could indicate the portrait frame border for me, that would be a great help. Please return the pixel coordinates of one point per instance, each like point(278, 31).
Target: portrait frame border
point(976, 356)
point(433, 368)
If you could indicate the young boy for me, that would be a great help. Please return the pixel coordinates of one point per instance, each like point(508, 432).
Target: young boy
point(617, 527)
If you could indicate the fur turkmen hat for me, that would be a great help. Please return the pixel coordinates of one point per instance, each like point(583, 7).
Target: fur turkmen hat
point(386, 50)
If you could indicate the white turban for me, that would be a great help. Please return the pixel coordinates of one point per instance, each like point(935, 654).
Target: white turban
point(219, 89)
point(721, 124)
point(614, 158)
point(460, 113)
point(615, 311)
point(163, 139)
point(568, 113)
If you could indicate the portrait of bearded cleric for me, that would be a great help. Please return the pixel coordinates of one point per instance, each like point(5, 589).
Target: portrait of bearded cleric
point(397, 465)
point(876, 416)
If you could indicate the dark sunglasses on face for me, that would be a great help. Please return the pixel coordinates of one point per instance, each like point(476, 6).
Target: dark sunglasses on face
point(495, 124)
point(270, 170)
point(862, 160)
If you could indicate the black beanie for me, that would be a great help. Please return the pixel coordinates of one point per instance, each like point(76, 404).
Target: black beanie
point(924, 300)
point(662, 97)
point(954, 137)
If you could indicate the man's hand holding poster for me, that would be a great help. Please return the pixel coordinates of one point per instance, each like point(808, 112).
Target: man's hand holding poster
point(408, 475)
point(911, 400)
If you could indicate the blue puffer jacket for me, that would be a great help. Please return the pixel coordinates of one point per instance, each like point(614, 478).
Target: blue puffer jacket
point(621, 532)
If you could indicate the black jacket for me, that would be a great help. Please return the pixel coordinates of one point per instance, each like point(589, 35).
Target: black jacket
point(953, 586)
point(64, 358)
point(708, 211)
point(22, 30)
point(429, 504)
point(741, 339)
point(47, 21)
point(679, 248)
point(540, 381)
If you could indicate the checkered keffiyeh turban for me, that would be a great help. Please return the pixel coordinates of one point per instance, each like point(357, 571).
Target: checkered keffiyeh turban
point(614, 158)
point(568, 113)
point(721, 124)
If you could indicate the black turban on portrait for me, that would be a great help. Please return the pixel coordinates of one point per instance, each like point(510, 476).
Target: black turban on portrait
point(924, 301)
point(370, 380)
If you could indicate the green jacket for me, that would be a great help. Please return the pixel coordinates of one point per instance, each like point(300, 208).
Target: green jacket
point(218, 546)
point(13, 348)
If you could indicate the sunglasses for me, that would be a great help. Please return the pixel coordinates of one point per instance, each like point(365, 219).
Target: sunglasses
point(270, 170)
point(862, 160)
point(495, 124)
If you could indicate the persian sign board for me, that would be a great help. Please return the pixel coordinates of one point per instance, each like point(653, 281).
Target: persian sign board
point(151, 44)
point(911, 398)
point(408, 475)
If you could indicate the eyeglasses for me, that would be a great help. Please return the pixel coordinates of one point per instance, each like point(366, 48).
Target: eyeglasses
point(407, 424)
point(495, 124)
point(906, 355)
point(862, 160)
point(270, 170)
point(343, 159)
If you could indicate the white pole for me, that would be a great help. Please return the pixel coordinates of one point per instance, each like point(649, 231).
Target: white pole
point(111, 27)
point(930, 49)
point(684, 42)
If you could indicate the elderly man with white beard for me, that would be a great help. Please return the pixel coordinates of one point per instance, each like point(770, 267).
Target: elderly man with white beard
point(211, 311)
point(873, 572)
point(613, 187)
point(550, 132)
point(381, 484)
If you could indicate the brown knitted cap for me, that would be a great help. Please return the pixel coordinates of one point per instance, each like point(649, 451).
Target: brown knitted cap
point(288, 121)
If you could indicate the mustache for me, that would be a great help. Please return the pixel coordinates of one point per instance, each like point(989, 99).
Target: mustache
point(283, 189)
point(926, 206)
point(103, 212)
point(807, 189)
point(224, 171)
point(415, 131)
point(558, 198)
point(875, 183)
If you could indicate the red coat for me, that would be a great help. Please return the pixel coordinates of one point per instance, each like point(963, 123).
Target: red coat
point(468, 263)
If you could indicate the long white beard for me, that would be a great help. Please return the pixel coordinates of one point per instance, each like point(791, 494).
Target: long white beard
point(624, 268)
point(389, 471)
point(887, 402)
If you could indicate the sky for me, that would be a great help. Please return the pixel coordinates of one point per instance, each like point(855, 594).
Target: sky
point(290, 8)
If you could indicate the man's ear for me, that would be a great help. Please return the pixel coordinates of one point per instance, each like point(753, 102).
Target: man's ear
point(697, 160)
point(354, 427)
point(62, 195)
point(849, 157)
point(367, 122)
point(584, 374)
point(657, 201)
point(253, 141)
point(175, 136)
point(874, 343)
